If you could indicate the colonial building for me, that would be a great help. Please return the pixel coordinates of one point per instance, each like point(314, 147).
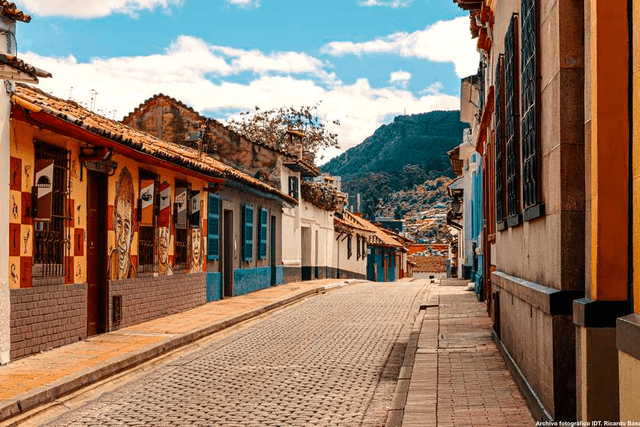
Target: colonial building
point(110, 226)
point(528, 129)
point(557, 125)
point(12, 69)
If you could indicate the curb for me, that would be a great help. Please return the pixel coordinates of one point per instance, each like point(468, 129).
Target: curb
point(49, 393)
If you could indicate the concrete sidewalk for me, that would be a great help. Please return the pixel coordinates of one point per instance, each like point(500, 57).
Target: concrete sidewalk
point(33, 381)
point(453, 373)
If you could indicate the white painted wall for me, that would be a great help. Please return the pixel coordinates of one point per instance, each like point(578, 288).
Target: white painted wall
point(340, 252)
point(5, 114)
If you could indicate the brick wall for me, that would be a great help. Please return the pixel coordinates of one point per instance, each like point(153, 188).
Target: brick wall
point(148, 298)
point(46, 317)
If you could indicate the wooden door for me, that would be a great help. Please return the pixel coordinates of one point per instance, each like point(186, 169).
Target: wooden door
point(96, 253)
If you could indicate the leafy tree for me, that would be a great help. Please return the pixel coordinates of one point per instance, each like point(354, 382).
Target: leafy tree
point(271, 126)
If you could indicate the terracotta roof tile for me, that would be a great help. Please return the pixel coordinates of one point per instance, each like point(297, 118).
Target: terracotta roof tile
point(10, 10)
point(202, 118)
point(18, 64)
point(36, 100)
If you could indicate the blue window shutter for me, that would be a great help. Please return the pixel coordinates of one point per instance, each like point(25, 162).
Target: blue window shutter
point(213, 228)
point(263, 233)
point(248, 233)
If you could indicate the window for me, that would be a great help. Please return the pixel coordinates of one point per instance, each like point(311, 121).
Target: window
point(349, 250)
point(49, 204)
point(263, 234)
point(213, 228)
point(147, 208)
point(181, 219)
point(364, 247)
point(293, 187)
point(500, 142)
point(357, 246)
point(247, 233)
point(511, 123)
point(531, 191)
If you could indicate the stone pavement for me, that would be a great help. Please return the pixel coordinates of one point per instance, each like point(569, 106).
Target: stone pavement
point(330, 361)
point(30, 382)
point(453, 373)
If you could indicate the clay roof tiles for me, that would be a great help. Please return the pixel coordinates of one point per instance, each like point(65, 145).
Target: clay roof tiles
point(202, 118)
point(18, 64)
point(36, 100)
point(10, 10)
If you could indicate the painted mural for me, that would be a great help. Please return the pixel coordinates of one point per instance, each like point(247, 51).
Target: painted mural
point(120, 263)
point(196, 250)
point(164, 244)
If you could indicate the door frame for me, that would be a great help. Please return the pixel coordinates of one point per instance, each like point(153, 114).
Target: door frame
point(96, 260)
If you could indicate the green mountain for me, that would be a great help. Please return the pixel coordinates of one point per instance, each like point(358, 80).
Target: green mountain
point(398, 156)
point(419, 139)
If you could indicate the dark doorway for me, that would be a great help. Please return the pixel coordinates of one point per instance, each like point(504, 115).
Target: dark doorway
point(227, 256)
point(306, 252)
point(96, 253)
point(272, 249)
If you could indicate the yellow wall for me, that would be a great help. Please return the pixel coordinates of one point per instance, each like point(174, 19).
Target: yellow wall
point(23, 157)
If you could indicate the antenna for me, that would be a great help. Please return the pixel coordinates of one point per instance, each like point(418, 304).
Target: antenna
point(94, 95)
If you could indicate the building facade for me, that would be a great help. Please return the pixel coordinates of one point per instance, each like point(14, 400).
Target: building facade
point(110, 226)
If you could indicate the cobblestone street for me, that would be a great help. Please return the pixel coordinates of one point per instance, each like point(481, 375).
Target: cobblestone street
point(331, 360)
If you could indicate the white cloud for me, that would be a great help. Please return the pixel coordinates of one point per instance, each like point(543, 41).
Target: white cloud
point(87, 9)
point(444, 41)
point(433, 89)
point(245, 4)
point(401, 78)
point(394, 4)
point(202, 76)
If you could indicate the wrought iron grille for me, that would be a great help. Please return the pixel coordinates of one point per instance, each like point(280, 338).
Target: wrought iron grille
point(181, 259)
point(499, 111)
point(51, 243)
point(529, 95)
point(146, 238)
point(511, 118)
point(147, 233)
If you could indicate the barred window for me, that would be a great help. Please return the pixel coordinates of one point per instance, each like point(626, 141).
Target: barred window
point(511, 123)
point(500, 142)
point(51, 242)
point(181, 219)
point(531, 191)
point(147, 210)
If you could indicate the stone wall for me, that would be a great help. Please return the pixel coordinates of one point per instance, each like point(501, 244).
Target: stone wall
point(148, 298)
point(173, 121)
point(46, 317)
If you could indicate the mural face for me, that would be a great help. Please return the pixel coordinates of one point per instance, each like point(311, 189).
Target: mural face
point(164, 240)
point(196, 250)
point(120, 264)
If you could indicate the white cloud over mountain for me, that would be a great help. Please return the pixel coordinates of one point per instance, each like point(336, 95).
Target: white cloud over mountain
point(203, 76)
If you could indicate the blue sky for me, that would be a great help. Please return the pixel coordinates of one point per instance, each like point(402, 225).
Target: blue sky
point(366, 60)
